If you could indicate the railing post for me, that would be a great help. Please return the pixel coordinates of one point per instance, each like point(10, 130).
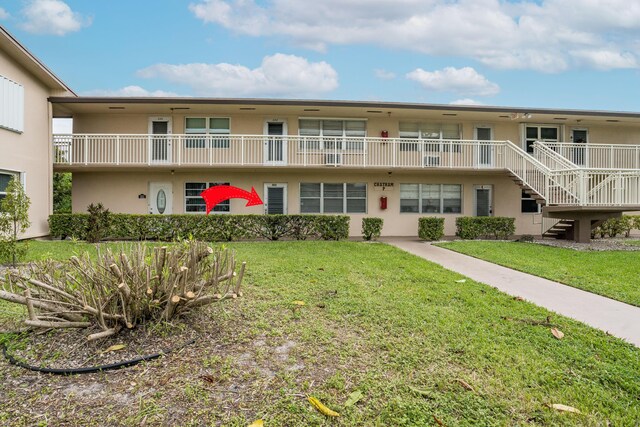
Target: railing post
point(364, 152)
point(242, 150)
point(209, 143)
point(117, 149)
point(86, 149)
point(393, 153)
point(179, 149)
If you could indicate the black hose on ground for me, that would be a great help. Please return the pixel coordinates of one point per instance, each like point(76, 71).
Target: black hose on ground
point(92, 369)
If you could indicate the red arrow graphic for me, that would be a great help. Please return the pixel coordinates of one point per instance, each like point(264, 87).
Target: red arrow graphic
point(214, 195)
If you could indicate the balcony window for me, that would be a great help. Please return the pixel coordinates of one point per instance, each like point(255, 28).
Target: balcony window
point(430, 198)
point(333, 197)
point(535, 133)
point(194, 203)
point(332, 134)
point(433, 133)
point(214, 130)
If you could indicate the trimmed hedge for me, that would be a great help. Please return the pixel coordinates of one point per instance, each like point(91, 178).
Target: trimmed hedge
point(371, 228)
point(430, 228)
point(485, 227)
point(206, 227)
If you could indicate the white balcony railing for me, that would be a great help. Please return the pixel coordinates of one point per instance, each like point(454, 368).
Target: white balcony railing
point(598, 156)
point(555, 178)
point(260, 150)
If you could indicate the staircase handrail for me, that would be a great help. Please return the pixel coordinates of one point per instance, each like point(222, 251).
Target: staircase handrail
point(540, 150)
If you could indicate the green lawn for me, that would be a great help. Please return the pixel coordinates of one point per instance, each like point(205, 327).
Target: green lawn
point(614, 274)
point(375, 319)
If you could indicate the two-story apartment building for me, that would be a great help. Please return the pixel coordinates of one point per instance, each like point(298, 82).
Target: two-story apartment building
point(398, 161)
point(25, 127)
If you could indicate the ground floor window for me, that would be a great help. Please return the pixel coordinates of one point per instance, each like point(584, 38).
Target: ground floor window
point(430, 198)
point(5, 177)
point(528, 204)
point(333, 197)
point(193, 203)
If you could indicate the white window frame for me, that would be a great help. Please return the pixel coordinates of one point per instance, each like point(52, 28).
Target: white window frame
point(345, 198)
point(319, 144)
point(525, 139)
point(208, 184)
point(22, 176)
point(529, 198)
point(212, 139)
point(422, 142)
point(442, 199)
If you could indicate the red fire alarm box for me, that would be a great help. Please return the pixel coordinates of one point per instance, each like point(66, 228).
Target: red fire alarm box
point(384, 134)
point(383, 202)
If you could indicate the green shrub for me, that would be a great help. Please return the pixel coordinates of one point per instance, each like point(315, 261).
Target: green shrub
point(430, 228)
point(205, 227)
point(371, 228)
point(615, 226)
point(97, 223)
point(484, 227)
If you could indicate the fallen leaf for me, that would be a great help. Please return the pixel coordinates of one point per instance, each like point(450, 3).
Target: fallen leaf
point(423, 393)
point(208, 378)
point(321, 408)
point(257, 423)
point(320, 305)
point(461, 281)
point(465, 384)
point(556, 333)
point(564, 408)
point(300, 303)
point(115, 348)
point(440, 423)
point(353, 398)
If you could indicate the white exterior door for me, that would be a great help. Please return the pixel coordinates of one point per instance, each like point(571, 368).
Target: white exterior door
point(275, 144)
point(160, 140)
point(485, 153)
point(275, 199)
point(483, 204)
point(160, 198)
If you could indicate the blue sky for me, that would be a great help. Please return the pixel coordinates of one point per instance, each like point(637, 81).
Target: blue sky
point(581, 54)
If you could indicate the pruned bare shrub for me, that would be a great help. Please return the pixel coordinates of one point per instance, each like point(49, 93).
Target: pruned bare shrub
point(121, 290)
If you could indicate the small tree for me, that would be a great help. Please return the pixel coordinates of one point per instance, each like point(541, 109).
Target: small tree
point(98, 222)
point(14, 219)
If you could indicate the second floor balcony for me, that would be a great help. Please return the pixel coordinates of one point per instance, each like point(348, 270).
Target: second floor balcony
point(188, 150)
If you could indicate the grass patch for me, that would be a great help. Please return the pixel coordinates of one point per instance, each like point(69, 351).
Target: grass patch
point(632, 242)
point(375, 319)
point(613, 274)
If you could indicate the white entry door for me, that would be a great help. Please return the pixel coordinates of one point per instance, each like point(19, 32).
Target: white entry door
point(275, 199)
point(482, 195)
point(484, 158)
point(160, 139)
point(275, 144)
point(160, 198)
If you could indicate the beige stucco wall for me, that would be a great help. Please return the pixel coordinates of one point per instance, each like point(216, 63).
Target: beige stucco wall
point(30, 152)
point(249, 123)
point(119, 192)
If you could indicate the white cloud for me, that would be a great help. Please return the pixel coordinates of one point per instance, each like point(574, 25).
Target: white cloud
point(130, 91)
point(52, 17)
point(4, 14)
point(547, 35)
point(278, 75)
point(465, 81)
point(466, 101)
point(384, 74)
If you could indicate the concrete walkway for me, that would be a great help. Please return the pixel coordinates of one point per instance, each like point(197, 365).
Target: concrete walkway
point(619, 319)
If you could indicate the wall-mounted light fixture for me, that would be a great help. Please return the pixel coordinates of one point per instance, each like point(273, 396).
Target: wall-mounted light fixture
point(142, 196)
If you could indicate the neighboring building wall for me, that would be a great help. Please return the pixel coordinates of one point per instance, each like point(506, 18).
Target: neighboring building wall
point(119, 192)
point(29, 152)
